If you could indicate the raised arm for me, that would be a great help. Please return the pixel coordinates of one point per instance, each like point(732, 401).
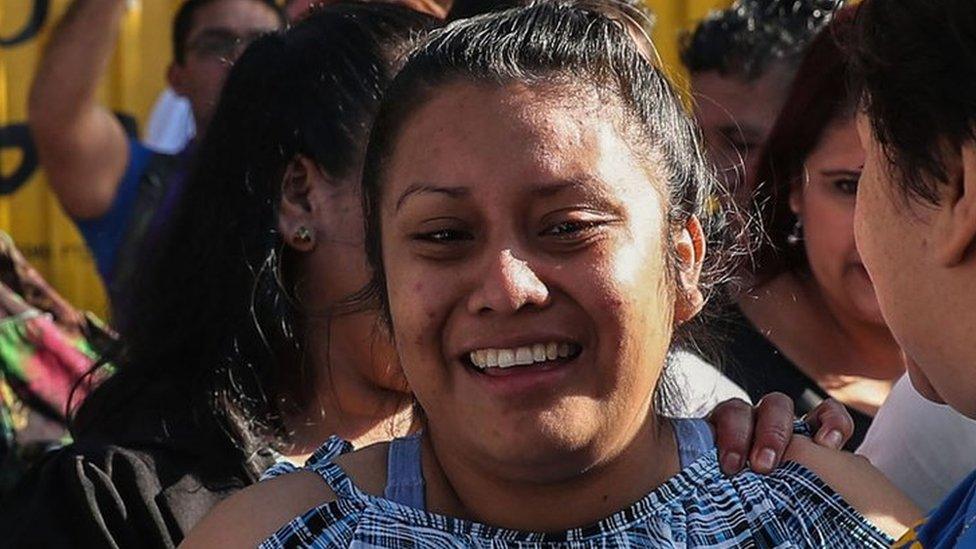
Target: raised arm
point(81, 145)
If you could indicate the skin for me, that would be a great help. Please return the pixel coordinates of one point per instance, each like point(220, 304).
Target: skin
point(905, 243)
point(833, 331)
point(80, 143)
point(477, 254)
point(736, 116)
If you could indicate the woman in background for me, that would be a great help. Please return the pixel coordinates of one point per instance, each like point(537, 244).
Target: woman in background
point(809, 325)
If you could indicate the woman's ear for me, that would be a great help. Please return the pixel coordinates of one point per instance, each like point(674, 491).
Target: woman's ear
point(689, 244)
point(297, 213)
point(176, 78)
point(957, 219)
point(796, 194)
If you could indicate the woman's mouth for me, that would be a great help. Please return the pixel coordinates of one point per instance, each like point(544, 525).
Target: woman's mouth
point(494, 361)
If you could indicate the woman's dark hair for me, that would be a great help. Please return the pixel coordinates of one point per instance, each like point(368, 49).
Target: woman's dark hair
point(596, 47)
point(915, 65)
point(744, 39)
point(216, 340)
point(463, 9)
point(819, 96)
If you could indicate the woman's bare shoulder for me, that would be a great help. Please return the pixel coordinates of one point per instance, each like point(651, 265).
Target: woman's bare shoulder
point(252, 515)
point(859, 483)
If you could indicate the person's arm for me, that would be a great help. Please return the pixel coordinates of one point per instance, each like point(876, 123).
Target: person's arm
point(82, 147)
point(761, 434)
point(859, 483)
point(252, 515)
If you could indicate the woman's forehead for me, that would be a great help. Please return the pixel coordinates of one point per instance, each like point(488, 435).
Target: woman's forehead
point(470, 132)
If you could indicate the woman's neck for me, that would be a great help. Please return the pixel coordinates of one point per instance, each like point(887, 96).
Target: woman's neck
point(346, 403)
point(457, 487)
point(854, 361)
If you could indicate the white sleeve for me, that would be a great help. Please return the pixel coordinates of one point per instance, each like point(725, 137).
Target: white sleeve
point(924, 448)
point(171, 124)
point(699, 385)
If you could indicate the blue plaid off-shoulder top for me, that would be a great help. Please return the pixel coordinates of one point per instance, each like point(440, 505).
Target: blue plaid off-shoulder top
point(698, 507)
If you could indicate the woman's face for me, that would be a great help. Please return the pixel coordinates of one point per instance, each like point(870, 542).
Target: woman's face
point(825, 202)
point(525, 255)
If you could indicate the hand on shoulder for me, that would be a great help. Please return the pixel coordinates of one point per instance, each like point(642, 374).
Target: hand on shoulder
point(859, 483)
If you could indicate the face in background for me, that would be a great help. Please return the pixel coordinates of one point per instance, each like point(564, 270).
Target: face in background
point(736, 116)
point(518, 225)
point(221, 31)
point(824, 202)
point(928, 306)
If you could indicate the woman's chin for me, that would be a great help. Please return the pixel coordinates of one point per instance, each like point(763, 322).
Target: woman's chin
point(545, 450)
point(921, 382)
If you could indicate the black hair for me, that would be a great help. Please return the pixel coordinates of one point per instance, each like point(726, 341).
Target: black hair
point(589, 46)
point(915, 66)
point(216, 341)
point(462, 9)
point(184, 20)
point(744, 39)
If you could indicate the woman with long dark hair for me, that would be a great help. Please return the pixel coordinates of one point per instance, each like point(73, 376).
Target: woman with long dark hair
point(242, 348)
point(809, 324)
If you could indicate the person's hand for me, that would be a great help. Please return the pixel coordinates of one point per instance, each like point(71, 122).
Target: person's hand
point(763, 432)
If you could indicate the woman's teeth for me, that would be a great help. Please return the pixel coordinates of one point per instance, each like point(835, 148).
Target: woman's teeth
point(521, 356)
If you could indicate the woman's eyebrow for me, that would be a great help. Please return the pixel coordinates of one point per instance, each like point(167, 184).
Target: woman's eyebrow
point(841, 172)
point(588, 185)
point(424, 188)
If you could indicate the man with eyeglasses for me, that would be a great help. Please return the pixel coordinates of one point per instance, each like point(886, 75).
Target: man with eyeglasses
point(118, 191)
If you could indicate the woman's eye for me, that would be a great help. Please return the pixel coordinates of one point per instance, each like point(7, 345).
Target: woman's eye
point(847, 186)
point(569, 229)
point(443, 236)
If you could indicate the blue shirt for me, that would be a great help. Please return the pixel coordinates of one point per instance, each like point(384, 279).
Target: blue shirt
point(950, 524)
point(105, 234)
point(699, 507)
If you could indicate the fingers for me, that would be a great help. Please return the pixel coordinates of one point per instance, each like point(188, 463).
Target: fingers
point(732, 421)
point(772, 432)
point(831, 423)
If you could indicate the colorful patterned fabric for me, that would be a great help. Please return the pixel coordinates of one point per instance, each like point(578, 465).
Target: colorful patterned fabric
point(333, 448)
point(43, 361)
point(46, 347)
point(699, 507)
point(40, 365)
point(951, 524)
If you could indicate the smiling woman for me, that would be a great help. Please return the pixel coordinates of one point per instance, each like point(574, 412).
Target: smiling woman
point(532, 184)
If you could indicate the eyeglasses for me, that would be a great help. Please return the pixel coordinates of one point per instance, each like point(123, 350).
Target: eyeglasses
point(221, 44)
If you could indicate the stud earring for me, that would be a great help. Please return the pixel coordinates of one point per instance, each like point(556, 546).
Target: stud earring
point(303, 235)
point(796, 235)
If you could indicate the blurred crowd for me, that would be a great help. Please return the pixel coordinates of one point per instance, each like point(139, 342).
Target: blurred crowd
point(413, 273)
